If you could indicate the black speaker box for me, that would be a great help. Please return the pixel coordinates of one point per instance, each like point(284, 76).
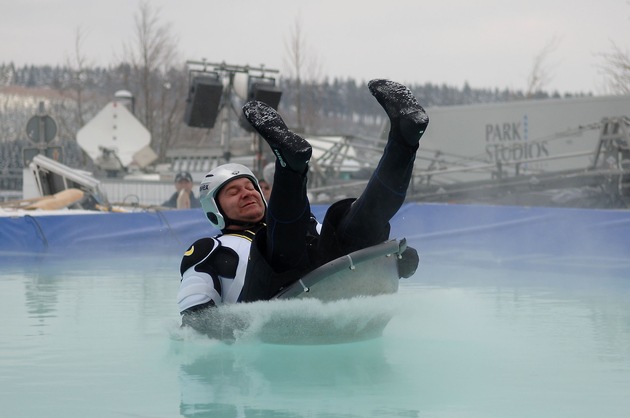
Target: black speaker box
point(202, 105)
point(263, 92)
point(267, 94)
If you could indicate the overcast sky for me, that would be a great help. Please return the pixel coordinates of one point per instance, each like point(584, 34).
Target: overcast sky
point(487, 43)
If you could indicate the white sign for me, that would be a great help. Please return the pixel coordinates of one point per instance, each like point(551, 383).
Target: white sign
point(114, 128)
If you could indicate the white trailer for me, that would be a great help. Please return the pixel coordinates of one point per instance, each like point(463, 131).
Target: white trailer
point(490, 141)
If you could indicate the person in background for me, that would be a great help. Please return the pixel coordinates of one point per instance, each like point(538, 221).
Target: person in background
point(264, 247)
point(268, 172)
point(265, 188)
point(266, 182)
point(184, 197)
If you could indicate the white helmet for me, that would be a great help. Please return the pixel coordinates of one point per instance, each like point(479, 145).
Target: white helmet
point(212, 184)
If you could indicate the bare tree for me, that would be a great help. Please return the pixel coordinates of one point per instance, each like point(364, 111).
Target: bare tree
point(616, 70)
point(540, 74)
point(295, 52)
point(172, 95)
point(78, 80)
point(151, 55)
point(76, 100)
point(76, 86)
point(305, 70)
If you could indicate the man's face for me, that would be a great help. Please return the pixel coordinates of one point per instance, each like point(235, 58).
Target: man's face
point(241, 201)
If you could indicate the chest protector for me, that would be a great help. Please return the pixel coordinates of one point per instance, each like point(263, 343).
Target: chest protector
point(228, 269)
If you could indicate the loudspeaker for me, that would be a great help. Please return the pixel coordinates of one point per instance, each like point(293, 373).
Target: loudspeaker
point(267, 94)
point(202, 104)
point(263, 90)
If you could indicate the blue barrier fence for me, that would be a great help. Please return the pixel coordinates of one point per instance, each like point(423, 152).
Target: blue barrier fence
point(491, 234)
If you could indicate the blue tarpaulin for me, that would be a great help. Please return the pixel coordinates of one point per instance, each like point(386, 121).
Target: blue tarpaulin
point(112, 232)
point(497, 234)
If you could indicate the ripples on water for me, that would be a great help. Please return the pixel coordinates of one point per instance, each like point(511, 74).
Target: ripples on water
point(101, 338)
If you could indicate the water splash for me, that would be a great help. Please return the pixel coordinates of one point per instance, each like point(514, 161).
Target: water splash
point(298, 321)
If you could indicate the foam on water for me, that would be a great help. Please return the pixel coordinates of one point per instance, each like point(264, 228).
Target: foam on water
point(303, 321)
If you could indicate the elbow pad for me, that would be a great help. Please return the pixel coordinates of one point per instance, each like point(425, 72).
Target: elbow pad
point(196, 289)
point(198, 285)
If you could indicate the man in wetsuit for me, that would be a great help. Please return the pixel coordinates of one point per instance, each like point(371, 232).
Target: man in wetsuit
point(263, 248)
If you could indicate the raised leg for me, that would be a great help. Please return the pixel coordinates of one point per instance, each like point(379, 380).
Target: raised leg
point(291, 150)
point(289, 210)
point(367, 220)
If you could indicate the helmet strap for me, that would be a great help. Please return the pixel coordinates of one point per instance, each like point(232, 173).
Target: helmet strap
point(243, 225)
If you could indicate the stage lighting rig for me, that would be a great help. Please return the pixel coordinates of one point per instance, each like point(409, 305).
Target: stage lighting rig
point(214, 87)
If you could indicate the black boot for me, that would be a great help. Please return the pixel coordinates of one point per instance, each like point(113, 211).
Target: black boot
point(408, 119)
point(367, 220)
point(291, 150)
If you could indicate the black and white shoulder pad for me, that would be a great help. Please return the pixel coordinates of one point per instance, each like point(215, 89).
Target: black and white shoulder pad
point(198, 252)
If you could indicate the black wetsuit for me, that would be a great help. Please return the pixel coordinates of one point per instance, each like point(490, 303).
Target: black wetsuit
point(284, 249)
point(255, 264)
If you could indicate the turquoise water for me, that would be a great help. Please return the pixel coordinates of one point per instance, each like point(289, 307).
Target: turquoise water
point(100, 338)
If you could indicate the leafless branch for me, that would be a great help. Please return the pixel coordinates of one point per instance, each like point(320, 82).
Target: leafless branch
point(616, 69)
point(540, 74)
